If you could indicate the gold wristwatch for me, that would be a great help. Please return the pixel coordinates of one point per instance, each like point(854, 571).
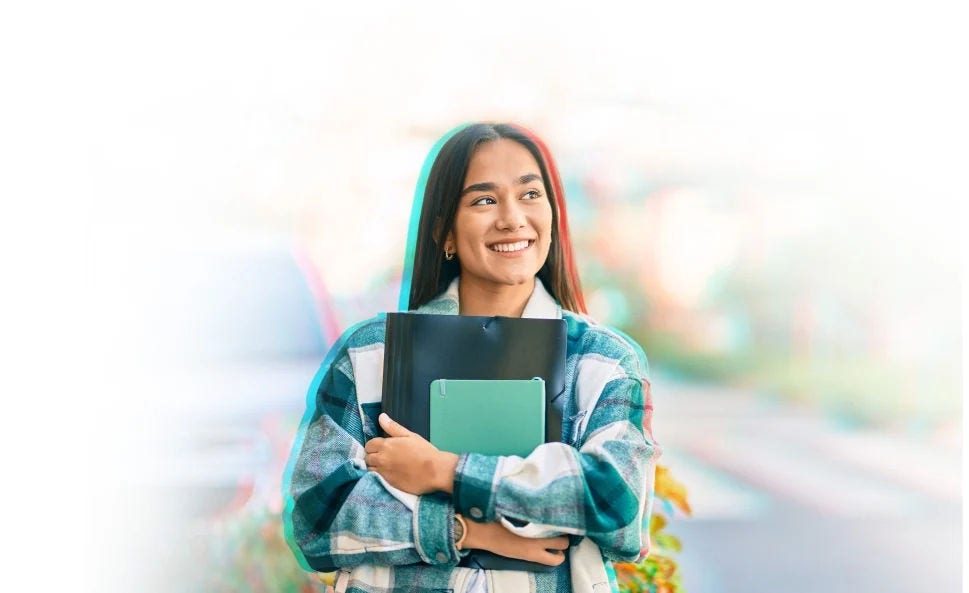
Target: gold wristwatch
point(460, 531)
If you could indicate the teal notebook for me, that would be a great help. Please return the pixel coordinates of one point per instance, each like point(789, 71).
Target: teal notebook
point(493, 417)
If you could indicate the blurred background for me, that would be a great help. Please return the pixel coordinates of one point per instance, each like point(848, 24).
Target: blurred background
point(766, 196)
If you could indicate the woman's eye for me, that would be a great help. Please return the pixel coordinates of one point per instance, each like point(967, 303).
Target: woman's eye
point(484, 200)
point(532, 195)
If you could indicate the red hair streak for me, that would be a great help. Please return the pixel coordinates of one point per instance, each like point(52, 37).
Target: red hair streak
point(564, 236)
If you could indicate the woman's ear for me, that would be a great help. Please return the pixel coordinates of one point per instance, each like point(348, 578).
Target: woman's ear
point(436, 231)
point(448, 240)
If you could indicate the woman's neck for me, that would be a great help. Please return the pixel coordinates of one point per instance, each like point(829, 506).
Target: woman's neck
point(493, 300)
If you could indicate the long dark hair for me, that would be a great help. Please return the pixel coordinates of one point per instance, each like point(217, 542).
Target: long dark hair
point(432, 273)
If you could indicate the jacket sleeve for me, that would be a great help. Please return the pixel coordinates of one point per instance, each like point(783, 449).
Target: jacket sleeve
point(338, 513)
point(599, 488)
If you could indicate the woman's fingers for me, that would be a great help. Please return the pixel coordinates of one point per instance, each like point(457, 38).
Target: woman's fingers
point(555, 543)
point(548, 556)
point(551, 557)
point(374, 445)
point(370, 459)
point(391, 427)
point(552, 550)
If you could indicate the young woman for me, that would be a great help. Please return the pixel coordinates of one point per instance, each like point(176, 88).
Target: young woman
point(395, 513)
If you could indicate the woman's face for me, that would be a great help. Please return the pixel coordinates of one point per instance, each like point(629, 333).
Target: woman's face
point(503, 227)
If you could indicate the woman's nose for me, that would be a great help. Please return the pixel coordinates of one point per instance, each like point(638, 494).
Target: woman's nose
point(510, 216)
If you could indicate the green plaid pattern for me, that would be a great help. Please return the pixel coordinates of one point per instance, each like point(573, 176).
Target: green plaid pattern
point(597, 486)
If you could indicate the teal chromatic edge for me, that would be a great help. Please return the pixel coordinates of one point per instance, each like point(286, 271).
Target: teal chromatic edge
point(410, 251)
point(311, 393)
point(611, 573)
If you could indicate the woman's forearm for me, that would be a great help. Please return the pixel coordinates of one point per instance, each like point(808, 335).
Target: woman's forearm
point(444, 469)
point(495, 538)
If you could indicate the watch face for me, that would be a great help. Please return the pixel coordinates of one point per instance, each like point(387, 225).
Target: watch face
point(458, 529)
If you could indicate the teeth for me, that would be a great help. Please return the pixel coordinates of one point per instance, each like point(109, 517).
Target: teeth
point(505, 247)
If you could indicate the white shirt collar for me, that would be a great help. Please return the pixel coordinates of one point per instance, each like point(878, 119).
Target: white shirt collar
point(540, 305)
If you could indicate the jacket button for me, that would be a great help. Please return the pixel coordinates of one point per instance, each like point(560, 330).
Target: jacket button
point(476, 513)
point(441, 557)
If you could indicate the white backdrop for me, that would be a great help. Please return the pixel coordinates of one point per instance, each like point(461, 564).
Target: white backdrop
point(134, 131)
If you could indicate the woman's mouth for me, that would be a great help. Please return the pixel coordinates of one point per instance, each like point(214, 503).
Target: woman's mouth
point(511, 247)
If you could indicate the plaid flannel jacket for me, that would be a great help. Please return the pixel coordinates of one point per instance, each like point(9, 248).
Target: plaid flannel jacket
point(597, 487)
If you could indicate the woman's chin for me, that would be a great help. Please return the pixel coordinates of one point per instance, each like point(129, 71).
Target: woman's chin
point(506, 275)
point(515, 279)
point(494, 281)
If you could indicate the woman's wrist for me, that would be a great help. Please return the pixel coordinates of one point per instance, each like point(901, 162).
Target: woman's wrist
point(446, 468)
point(472, 532)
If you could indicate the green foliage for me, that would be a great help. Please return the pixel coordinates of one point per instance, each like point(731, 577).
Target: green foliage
point(247, 553)
point(658, 572)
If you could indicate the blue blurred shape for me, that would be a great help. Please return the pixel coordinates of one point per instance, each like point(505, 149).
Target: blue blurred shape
point(242, 304)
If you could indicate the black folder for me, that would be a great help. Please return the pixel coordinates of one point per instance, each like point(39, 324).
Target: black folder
point(421, 348)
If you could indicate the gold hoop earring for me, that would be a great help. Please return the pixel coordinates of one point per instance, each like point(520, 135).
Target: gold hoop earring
point(448, 255)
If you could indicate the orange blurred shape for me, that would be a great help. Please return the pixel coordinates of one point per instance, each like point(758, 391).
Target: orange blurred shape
point(667, 487)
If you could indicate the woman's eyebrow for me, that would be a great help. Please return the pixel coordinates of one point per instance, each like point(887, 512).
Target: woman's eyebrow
point(491, 186)
point(484, 186)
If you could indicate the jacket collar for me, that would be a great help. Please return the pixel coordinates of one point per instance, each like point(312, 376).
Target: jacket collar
point(540, 305)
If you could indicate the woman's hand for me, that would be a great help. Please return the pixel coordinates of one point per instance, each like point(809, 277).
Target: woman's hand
point(495, 538)
point(409, 462)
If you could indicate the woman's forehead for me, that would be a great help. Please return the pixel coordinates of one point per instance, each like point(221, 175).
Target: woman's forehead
point(500, 160)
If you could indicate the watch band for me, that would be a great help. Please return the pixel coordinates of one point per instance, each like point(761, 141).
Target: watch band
point(460, 531)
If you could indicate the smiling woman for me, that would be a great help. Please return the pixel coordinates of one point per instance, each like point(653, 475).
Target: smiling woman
point(491, 186)
point(394, 513)
point(502, 229)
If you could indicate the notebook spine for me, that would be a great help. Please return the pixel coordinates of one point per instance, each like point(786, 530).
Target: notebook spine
point(389, 379)
point(405, 372)
point(396, 375)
